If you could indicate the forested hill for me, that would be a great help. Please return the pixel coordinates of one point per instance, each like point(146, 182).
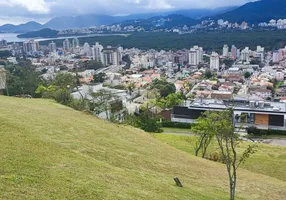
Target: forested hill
point(256, 12)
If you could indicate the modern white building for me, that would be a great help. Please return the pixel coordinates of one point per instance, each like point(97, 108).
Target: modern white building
point(225, 50)
point(97, 52)
point(75, 43)
point(245, 54)
point(52, 47)
point(195, 55)
point(31, 46)
point(66, 45)
point(87, 50)
point(275, 57)
point(214, 62)
point(111, 56)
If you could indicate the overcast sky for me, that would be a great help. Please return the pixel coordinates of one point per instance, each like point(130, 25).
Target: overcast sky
point(20, 11)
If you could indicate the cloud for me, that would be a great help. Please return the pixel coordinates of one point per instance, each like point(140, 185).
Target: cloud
point(33, 6)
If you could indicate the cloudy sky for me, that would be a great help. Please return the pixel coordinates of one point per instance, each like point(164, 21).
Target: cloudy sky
point(20, 11)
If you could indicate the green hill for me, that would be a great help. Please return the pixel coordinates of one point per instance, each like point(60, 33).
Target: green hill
point(49, 151)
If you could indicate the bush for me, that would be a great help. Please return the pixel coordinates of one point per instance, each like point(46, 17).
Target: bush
point(258, 132)
point(215, 156)
point(169, 124)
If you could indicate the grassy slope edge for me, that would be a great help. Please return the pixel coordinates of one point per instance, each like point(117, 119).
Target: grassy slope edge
point(49, 151)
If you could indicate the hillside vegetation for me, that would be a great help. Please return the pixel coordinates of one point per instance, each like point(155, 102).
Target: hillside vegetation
point(49, 151)
point(268, 160)
point(173, 41)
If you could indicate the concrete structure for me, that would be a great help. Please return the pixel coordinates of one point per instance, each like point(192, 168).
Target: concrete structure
point(244, 54)
point(233, 52)
point(87, 50)
point(225, 50)
point(111, 56)
point(246, 113)
point(52, 47)
point(214, 62)
point(66, 45)
point(75, 43)
point(97, 52)
point(195, 55)
point(275, 58)
point(31, 46)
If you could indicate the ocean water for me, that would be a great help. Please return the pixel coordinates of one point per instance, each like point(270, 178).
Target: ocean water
point(11, 37)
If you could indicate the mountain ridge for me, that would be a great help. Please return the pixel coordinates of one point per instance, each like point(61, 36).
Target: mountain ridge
point(256, 12)
point(85, 21)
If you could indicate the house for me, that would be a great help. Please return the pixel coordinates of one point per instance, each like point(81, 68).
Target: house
point(222, 95)
point(246, 113)
point(264, 93)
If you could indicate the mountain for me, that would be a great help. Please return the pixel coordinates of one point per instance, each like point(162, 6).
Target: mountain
point(30, 26)
point(161, 22)
point(256, 12)
point(49, 151)
point(81, 21)
point(43, 33)
point(84, 21)
point(201, 13)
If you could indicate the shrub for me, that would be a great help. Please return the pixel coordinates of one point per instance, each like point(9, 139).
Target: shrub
point(258, 132)
point(169, 124)
point(214, 156)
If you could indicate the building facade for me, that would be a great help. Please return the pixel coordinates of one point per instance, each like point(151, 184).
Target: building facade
point(246, 113)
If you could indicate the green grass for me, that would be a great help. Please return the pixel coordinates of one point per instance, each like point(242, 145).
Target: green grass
point(176, 130)
point(268, 160)
point(49, 151)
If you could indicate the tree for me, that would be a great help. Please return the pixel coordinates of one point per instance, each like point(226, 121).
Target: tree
point(65, 81)
point(130, 88)
point(208, 74)
point(174, 99)
point(21, 80)
point(147, 123)
point(102, 102)
point(165, 88)
point(203, 129)
point(99, 78)
point(228, 140)
point(247, 75)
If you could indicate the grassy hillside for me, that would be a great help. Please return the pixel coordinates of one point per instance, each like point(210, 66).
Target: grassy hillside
point(49, 151)
point(268, 160)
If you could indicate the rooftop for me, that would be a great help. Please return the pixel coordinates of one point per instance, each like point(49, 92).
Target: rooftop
point(239, 104)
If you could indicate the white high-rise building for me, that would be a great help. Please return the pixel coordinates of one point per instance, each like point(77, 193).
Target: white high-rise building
point(225, 50)
point(111, 56)
point(52, 47)
point(97, 52)
point(214, 62)
point(31, 46)
point(86, 49)
point(275, 58)
point(75, 43)
point(244, 55)
point(66, 45)
point(195, 55)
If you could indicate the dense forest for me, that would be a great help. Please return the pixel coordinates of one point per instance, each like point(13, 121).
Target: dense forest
point(209, 40)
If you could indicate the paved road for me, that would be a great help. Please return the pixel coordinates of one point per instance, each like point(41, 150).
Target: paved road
point(275, 142)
